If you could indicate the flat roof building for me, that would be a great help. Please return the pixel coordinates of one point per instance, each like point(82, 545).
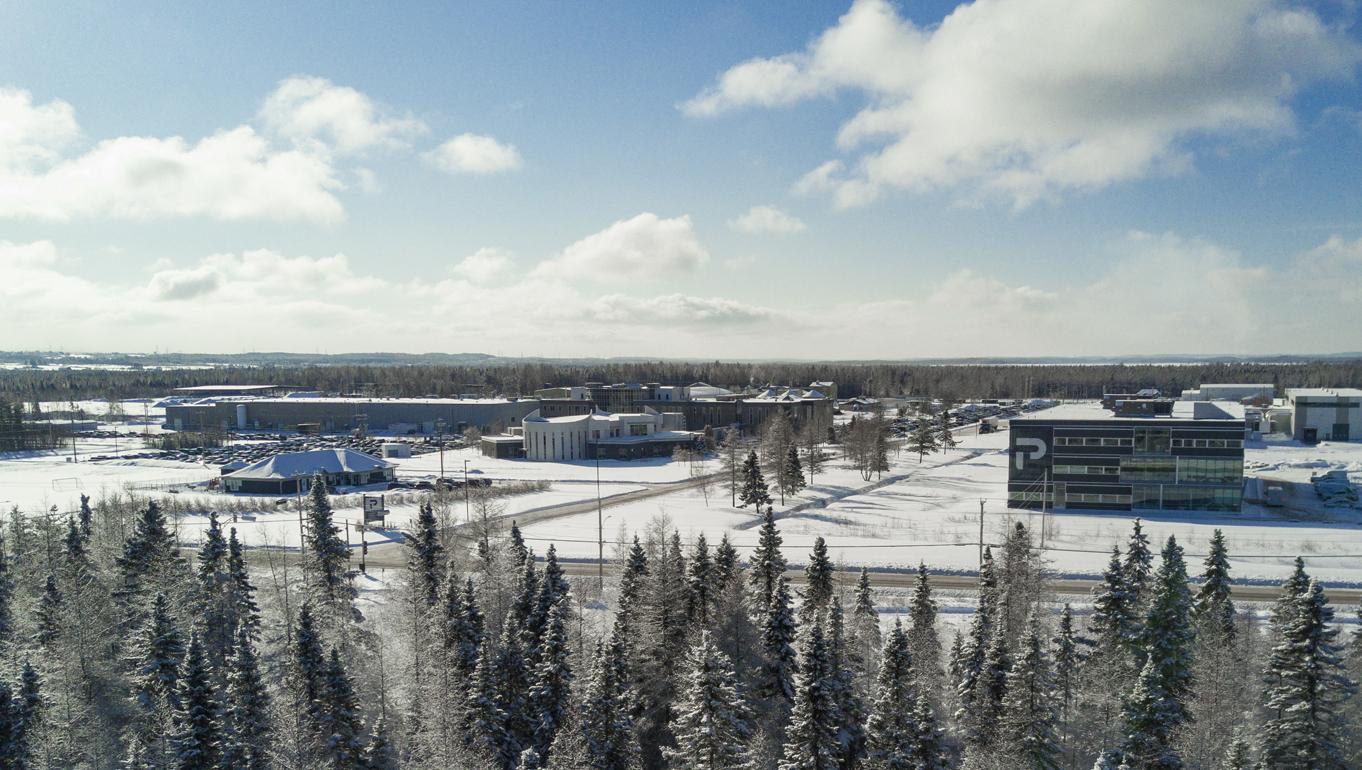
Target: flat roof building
point(341, 414)
point(1325, 414)
point(647, 433)
point(1220, 391)
point(1080, 456)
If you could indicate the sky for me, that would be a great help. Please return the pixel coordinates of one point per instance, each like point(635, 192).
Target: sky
point(707, 180)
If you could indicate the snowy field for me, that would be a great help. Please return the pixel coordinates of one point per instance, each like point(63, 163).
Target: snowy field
point(928, 511)
point(932, 514)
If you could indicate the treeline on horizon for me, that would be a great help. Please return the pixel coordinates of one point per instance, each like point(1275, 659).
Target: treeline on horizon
point(953, 381)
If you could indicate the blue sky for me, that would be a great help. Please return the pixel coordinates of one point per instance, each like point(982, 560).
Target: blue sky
point(1030, 177)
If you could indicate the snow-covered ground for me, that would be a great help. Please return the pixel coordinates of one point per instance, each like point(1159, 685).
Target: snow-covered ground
point(932, 514)
point(927, 511)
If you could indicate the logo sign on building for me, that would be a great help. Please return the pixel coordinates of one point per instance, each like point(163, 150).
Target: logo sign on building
point(373, 508)
point(1028, 449)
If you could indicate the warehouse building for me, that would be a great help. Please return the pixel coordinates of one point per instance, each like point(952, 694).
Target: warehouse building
point(1257, 393)
point(292, 472)
point(628, 436)
point(343, 414)
point(1081, 456)
point(1325, 414)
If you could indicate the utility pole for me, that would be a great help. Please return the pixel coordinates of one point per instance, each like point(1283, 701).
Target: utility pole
point(981, 533)
point(440, 431)
point(600, 528)
point(1044, 499)
point(467, 509)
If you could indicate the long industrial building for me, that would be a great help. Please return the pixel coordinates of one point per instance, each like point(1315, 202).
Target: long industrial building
point(1325, 414)
point(1132, 458)
point(337, 414)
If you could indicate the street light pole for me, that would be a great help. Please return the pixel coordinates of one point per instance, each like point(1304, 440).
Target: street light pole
point(600, 528)
point(440, 430)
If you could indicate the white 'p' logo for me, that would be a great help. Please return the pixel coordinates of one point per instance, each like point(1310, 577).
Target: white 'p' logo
point(1020, 456)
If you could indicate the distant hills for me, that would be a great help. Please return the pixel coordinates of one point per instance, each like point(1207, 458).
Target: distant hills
point(47, 359)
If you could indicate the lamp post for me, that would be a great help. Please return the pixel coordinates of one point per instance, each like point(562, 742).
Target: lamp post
point(600, 527)
point(440, 432)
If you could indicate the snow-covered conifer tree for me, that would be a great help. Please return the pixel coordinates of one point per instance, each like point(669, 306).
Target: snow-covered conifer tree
point(711, 721)
point(812, 737)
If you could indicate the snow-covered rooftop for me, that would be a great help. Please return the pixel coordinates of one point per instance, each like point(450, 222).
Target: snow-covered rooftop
point(1323, 393)
point(1182, 410)
point(294, 464)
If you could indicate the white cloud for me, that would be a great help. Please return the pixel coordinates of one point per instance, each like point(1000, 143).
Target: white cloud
point(767, 219)
point(27, 255)
point(231, 175)
point(313, 109)
point(1159, 293)
point(484, 265)
point(1031, 98)
point(640, 246)
point(679, 310)
point(33, 134)
point(475, 154)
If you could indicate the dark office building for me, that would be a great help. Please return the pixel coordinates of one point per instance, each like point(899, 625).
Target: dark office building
point(1079, 456)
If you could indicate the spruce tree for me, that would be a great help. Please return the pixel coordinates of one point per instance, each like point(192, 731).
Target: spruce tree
point(632, 577)
point(159, 655)
point(247, 743)
point(986, 701)
point(968, 658)
point(946, 438)
point(87, 518)
point(326, 561)
point(1307, 688)
point(198, 743)
point(1237, 756)
point(341, 731)
point(851, 734)
point(865, 628)
point(818, 582)
point(512, 694)
point(726, 567)
point(607, 724)
point(791, 473)
point(753, 490)
point(150, 562)
point(551, 692)
point(1114, 623)
point(308, 674)
point(488, 732)
point(923, 439)
point(812, 738)
point(1028, 713)
point(1138, 566)
point(1213, 607)
point(778, 654)
point(923, 642)
point(767, 567)
point(699, 581)
point(1167, 638)
point(711, 721)
point(7, 629)
point(890, 731)
point(1151, 717)
point(425, 555)
point(245, 612)
point(48, 615)
point(379, 752)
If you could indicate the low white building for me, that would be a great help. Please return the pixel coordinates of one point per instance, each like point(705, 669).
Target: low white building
point(1220, 391)
point(620, 436)
point(1325, 414)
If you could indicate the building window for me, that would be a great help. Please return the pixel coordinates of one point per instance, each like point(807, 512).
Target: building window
point(1148, 468)
point(1152, 440)
point(1086, 470)
point(1201, 470)
point(637, 429)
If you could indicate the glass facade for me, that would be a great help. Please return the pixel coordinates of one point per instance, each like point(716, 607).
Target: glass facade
point(1149, 469)
point(1140, 463)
